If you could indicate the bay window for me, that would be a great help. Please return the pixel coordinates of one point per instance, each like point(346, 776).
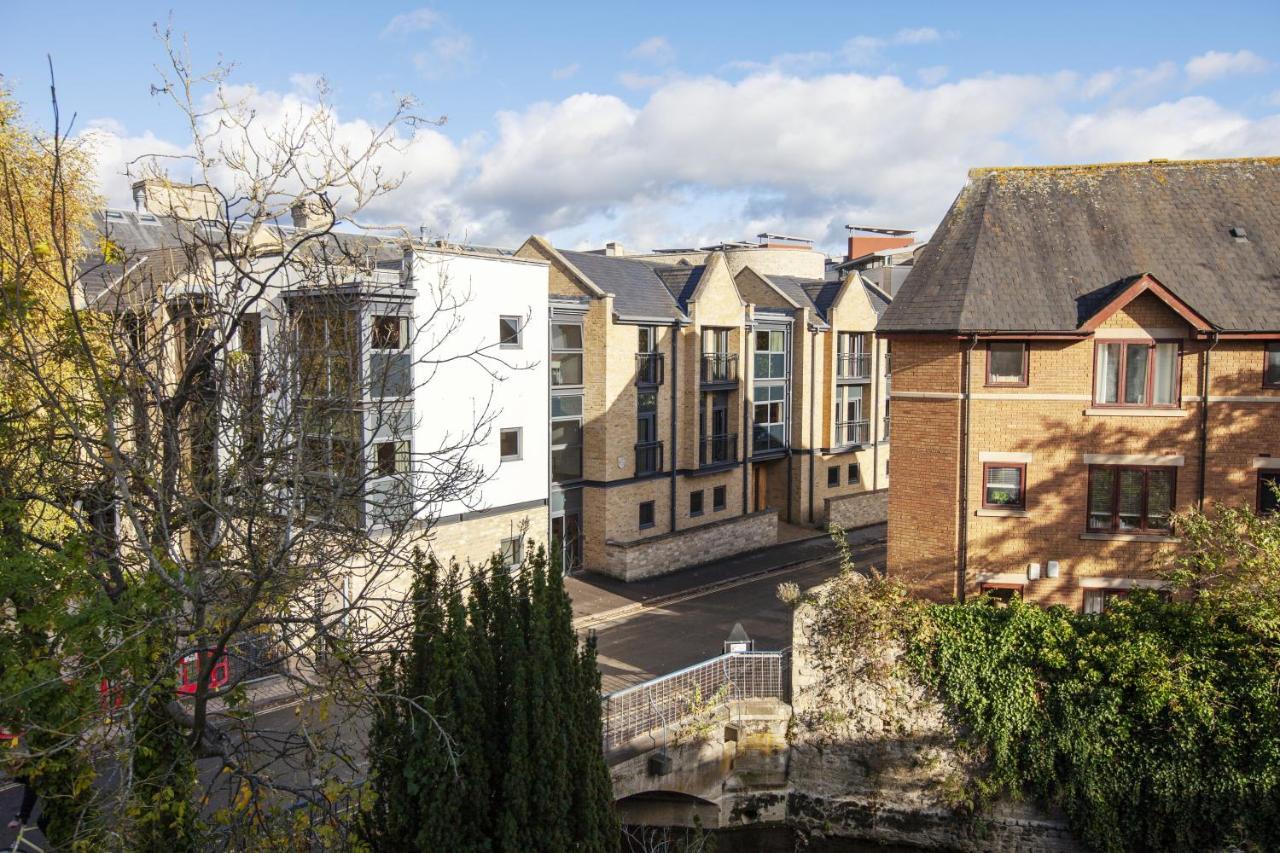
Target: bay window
point(1128, 499)
point(1136, 373)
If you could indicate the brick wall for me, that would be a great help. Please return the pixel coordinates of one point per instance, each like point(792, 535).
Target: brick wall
point(857, 510)
point(666, 553)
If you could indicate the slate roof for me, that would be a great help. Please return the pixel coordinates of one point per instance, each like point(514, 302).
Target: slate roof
point(1042, 249)
point(822, 294)
point(878, 298)
point(797, 290)
point(681, 280)
point(639, 293)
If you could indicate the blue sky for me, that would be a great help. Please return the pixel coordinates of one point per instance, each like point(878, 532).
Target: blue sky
point(668, 123)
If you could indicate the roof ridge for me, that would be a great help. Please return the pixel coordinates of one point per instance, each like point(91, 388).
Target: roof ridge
point(1161, 162)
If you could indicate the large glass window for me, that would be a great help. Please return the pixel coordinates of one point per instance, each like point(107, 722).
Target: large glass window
point(853, 358)
point(1136, 373)
point(852, 425)
point(566, 354)
point(771, 354)
point(566, 438)
point(1125, 499)
point(768, 428)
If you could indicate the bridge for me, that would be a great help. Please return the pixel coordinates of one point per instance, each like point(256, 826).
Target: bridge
point(707, 743)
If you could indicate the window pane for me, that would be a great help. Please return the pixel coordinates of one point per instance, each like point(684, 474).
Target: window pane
point(388, 332)
point(566, 464)
point(510, 443)
point(1095, 601)
point(776, 341)
point(1108, 379)
point(1268, 482)
point(564, 433)
point(509, 330)
point(777, 366)
point(1006, 362)
point(762, 365)
point(566, 369)
point(570, 406)
point(566, 336)
point(1004, 486)
point(1100, 490)
point(1129, 499)
point(1136, 358)
point(1159, 498)
point(1271, 375)
point(762, 341)
point(1166, 382)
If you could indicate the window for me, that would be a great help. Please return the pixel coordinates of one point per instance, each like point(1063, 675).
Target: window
point(647, 339)
point(854, 474)
point(390, 333)
point(648, 448)
point(389, 365)
point(509, 332)
point(852, 427)
point(771, 354)
point(695, 502)
point(1136, 373)
point(1003, 485)
point(1125, 499)
point(833, 476)
point(566, 438)
point(718, 498)
point(853, 361)
point(1268, 482)
point(1002, 593)
point(646, 515)
point(768, 427)
point(1271, 366)
point(566, 354)
point(1098, 600)
point(1007, 363)
point(509, 443)
point(391, 458)
point(512, 551)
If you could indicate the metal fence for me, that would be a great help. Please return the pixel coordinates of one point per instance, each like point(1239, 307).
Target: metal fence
point(664, 701)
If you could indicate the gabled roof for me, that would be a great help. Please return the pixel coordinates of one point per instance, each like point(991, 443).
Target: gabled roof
point(823, 295)
point(639, 293)
point(879, 300)
point(681, 280)
point(1045, 249)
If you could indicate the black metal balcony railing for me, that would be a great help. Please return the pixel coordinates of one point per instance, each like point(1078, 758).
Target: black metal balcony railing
point(853, 365)
point(649, 368)
point(719, 367)
point(717, 449)
point(852, 432)
point(648, 457)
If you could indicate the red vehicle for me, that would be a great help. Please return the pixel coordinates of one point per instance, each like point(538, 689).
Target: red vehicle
point(189, 671)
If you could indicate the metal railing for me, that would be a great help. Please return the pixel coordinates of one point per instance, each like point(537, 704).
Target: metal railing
point(649, 368)
point(664, 701)
point(852, 432)
point(715, 449)
point(853, 365)
point(648, 457)
point(719, 367)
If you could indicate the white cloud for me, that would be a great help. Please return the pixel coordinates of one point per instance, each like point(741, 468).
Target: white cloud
point(933, 75)
point(656, 50)
point(446, 55)
point(416, 21)
point(566, 71)
point(1216, 64)
point(920, 35)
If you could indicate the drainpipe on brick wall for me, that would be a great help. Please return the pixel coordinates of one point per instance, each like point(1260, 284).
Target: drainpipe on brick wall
point(962, 555)
point(877, 386)
point(1204, 417)
point(675, 391)
point(813, 448)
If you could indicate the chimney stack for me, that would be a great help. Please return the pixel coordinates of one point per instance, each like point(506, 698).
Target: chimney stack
point(182, 201)
point(310, 214)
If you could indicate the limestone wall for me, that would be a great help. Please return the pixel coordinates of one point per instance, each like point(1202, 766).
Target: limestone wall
point(877, 760)
point(668, 552)
point(858, 509)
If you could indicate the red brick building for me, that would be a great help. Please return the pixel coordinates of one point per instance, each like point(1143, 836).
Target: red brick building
point(1079, 353)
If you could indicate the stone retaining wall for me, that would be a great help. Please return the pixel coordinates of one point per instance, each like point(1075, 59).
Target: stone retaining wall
point(668, 552)
point(858, 510)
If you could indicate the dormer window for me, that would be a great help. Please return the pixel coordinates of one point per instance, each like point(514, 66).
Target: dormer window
point(1141, 374)
point(1007, 363)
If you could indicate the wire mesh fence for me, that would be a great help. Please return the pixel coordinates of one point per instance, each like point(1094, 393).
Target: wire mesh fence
point(664, 701)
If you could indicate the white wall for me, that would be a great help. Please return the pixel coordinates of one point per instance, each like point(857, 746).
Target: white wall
point(460, 298)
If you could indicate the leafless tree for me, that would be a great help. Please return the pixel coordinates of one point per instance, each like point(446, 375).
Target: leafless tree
point(232, 452)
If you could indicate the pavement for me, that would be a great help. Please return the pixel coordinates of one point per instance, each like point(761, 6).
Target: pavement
point(650, 628)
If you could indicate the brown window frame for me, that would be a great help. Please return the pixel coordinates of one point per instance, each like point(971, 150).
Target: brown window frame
point(1146, 495)
point(1022, 489)
point(1108, 592)
point(1024, 381)
point(1262, 486)
point(1125, 343)
point(1270, 347)
point(1019, 588)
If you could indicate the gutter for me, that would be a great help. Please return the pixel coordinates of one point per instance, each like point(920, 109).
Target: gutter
point(877, 388)
point(1204, 418)
point(962, 553)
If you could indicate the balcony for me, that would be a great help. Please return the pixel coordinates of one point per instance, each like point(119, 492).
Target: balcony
point(649, 368)
point(648, 458)
point(853, 365)
point(718, 449)
point(852, 433)
point(719, 368)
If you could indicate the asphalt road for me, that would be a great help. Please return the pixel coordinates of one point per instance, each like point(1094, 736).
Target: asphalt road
point(662, 639)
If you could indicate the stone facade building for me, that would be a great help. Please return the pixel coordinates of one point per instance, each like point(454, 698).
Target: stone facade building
point(1079, 353)
point(699, 396)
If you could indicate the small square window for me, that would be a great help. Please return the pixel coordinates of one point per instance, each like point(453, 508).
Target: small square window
point(646, 515)
point(512, 551)
point(390, 332)
point(855, 475)
point(509, 329)
point(509, 442)
point(695, 502)
point(1003, 485)
point(718, 498)
point(392, 457)
point(833, 475)
point(1006, 363)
